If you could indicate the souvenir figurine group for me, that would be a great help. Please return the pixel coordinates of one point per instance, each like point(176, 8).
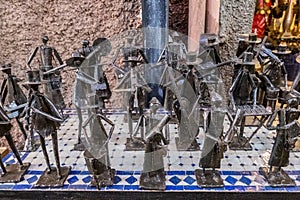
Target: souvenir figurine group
point(194, 99)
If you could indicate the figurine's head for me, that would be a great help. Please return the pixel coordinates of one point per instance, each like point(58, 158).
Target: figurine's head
point(6, 68)
point(85, 42)
point(129, 39)
point(45, 39)
point(253, 39)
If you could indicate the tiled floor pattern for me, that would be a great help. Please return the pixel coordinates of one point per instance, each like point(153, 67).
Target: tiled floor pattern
point(239, 168)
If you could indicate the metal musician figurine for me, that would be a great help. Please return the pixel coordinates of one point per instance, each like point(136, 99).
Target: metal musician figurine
point(96, 154)
point(91, 84)
point(13, 172)
point(214, 146)
point(287, 130)
point(45, 119)
point(153, 174)
point(52, 87)
point(12, 98)
point(134, 86)
point(243, 95)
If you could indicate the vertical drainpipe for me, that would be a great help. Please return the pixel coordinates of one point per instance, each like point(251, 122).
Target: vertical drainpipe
point(197, 13)
point(155, 14)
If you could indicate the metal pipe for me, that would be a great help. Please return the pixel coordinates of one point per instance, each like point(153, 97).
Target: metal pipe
point(155, 14)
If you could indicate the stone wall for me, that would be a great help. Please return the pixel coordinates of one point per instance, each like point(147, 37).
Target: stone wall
point(235, 18)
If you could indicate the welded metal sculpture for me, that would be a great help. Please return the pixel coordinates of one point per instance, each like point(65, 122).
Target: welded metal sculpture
point(288, 129)
point(44, 118)
point(91, 84)
point(135, 87)
point(13, 172)
point(96, 154)
point(153, 174)
point(243, 95)
point(52, 78)
point(12, 98)
point(214, 146)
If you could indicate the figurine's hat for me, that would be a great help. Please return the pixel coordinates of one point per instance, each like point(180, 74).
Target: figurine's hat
point(33, 78)
point(243, 37)
point(5, 67)
point(192, 59)
point(212, 41)
point(75, 60)
point(282, 49)
point(253, 39)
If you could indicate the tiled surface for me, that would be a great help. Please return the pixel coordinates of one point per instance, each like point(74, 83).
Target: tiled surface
point(239, 168)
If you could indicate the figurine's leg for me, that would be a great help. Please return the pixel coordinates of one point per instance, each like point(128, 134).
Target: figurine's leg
point(79, 115)
point(242, 127)
point(20, 124)
point(56, 156)
point(13, 147)
point(43, 145)
point(2, 166)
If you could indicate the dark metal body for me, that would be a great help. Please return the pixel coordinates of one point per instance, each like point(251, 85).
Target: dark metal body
point(12, 98)
point(13, 172)
point(52, 87)
point(44, 118)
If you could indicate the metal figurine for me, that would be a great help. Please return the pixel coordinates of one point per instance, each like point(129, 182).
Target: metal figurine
point(96, 154)
point(287, 130)
point(243, 95)
point(153, 174)
point(210, 44)
point(214, 146)
point(174, 52)
point(13, 172)
point(131, 54)
point(12, 98)
point(52, 86)
point(91, 78)
point(135, 86)
point(45, 119)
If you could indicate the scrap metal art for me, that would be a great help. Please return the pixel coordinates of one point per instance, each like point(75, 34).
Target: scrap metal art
point(44, 118)
point(288, 129)
point(135, 87)
point(52, 78)
point(153, 174)
point(96, 154)
point(91, 84)
point(11, 173)
point(243, 95)
point(12, 98)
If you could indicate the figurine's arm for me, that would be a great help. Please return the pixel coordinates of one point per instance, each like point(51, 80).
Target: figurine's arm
point(110, 123)
point(232, 88)
point(143, 56)
point(32, 56)
point(163, 53)
point(115, 58)
point(3, 91)
point(271, 120)
point(283, 68)
point(254, 86)
point(57, 56)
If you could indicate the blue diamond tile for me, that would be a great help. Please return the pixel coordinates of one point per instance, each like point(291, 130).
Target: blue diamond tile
point(131, 180)
point(32, 179)
point(117, 180)
point(175, 180)
point(189, 180)
point(72, 180)
point(87, 179)
point(245, 180)
point(231, 180)
point(298, 178)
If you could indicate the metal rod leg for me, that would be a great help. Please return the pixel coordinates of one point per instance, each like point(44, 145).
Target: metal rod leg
point(56, 155)
point(13, 148)
point(43, 145)
point(20, 124)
